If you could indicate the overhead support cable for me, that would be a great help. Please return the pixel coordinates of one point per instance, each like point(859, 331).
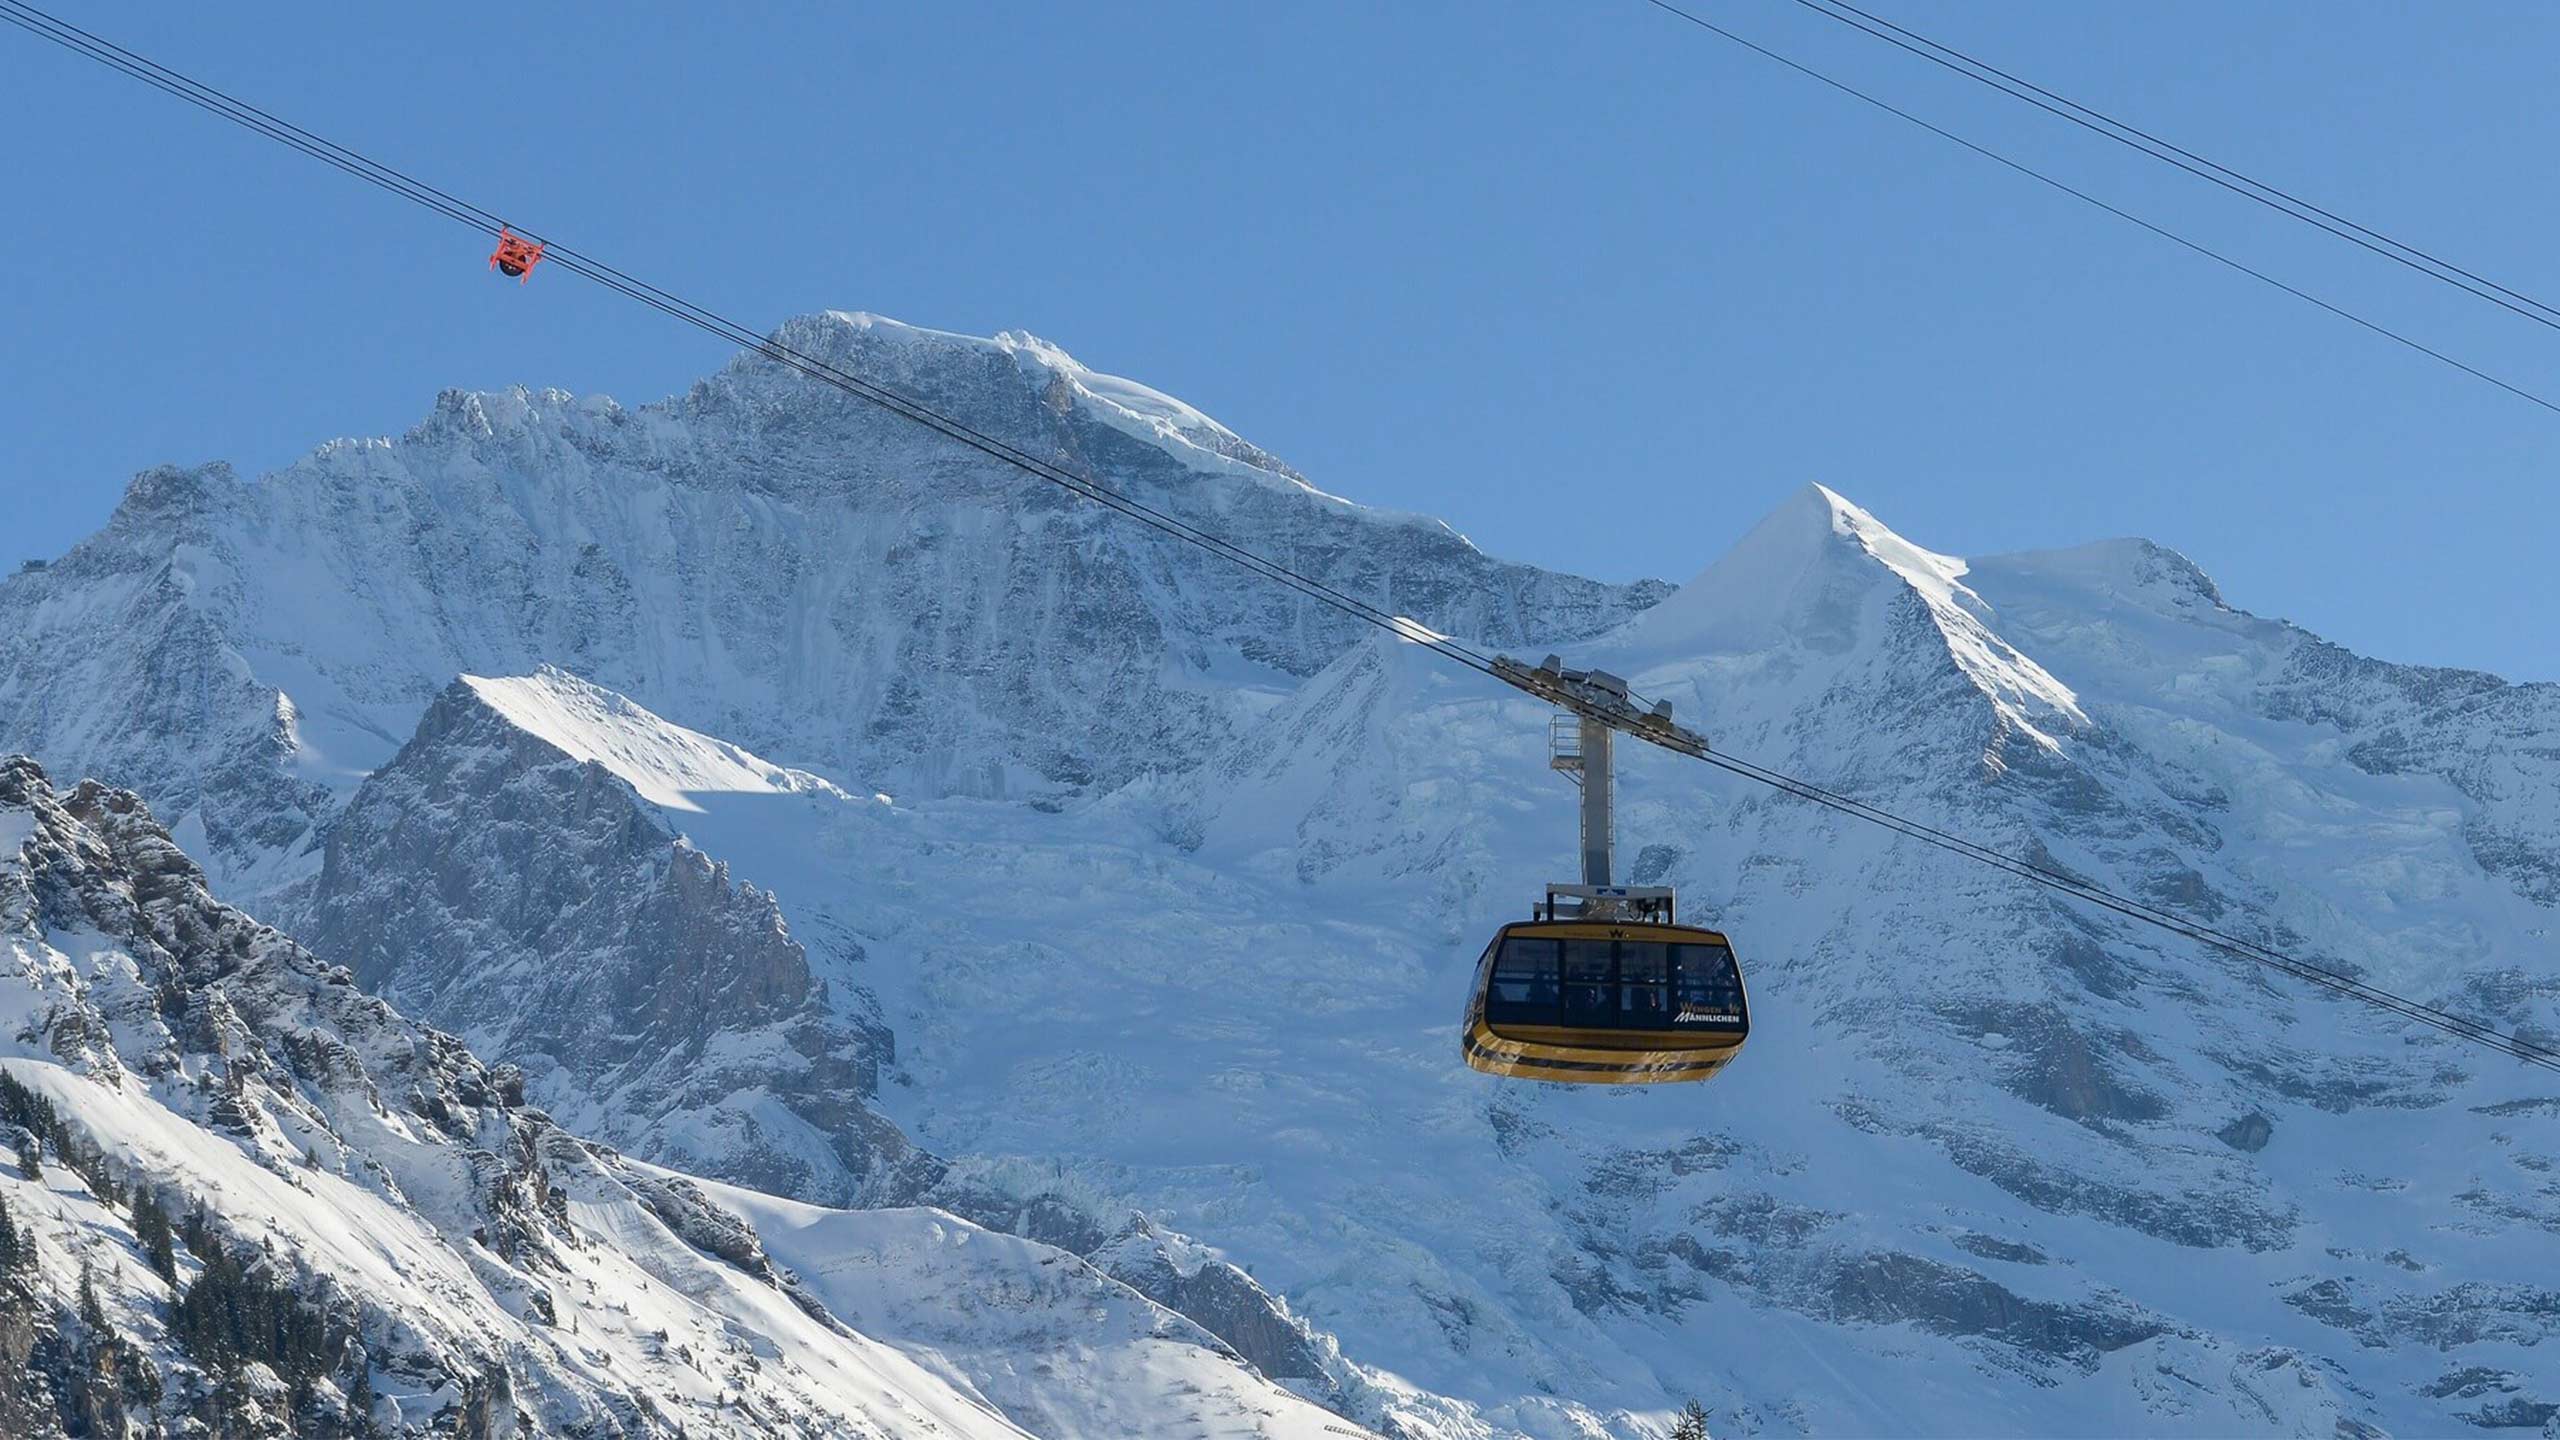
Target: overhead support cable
point(2135, 138)
point(2085, 197)
point(1650, 724)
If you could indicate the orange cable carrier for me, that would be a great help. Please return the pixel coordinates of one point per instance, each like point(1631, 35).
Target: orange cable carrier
point(515, 255)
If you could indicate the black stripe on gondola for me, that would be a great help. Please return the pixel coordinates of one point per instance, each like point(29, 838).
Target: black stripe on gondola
point(1479, 1048)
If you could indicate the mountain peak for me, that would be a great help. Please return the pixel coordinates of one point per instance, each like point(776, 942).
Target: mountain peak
point(1820, 573)
point(1799, 564)
point(927, 364)
point(171, 493)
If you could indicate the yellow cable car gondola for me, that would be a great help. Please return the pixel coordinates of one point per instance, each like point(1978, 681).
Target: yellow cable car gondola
point(1603, 985)
point(1605, 1002)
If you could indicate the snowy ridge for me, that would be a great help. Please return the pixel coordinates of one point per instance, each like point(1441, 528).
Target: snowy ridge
point(664, 763)
point(1141, 411)
point(642, 1302)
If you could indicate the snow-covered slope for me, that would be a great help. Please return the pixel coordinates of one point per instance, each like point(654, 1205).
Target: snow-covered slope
point(665, 764)
point(764, 558)
point(1049, 1339)
point(463, 1263)
point(1172, 904)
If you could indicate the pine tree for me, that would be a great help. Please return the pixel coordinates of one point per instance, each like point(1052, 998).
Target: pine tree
point(22, 1106)
point(151, 1228)
point(198, 1232)
point(92, 1314)
point(234, 1314)
point(13, 1253)
point(1691, 1424)
point(31, 1156)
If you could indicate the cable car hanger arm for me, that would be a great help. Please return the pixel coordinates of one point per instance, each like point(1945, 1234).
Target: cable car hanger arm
point(1603, 699)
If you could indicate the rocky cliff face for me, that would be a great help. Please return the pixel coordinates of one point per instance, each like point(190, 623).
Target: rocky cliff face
point(653, 1001)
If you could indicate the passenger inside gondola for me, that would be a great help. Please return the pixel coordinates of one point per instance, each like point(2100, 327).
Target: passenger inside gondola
point(1590, 998)
point(1643, 985)
point(1708, 982)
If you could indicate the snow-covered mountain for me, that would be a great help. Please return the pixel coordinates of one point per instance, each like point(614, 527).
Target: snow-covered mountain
point(1140, 925)
point(764, 558)
point(380, 1237)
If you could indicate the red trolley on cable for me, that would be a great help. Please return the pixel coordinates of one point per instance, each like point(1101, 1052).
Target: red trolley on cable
point(515, 255)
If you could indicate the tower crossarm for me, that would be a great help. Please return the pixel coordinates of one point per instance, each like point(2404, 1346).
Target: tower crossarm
point(1600, 697)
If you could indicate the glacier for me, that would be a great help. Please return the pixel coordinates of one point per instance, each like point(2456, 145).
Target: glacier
point(800, 805)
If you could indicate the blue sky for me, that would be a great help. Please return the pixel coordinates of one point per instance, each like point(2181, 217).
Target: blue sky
point(1595, 286)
